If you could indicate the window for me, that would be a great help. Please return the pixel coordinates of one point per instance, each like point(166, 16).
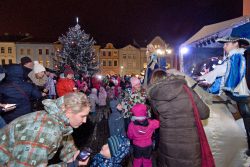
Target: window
point(3, 61)
point(2, 49)
point(9, 50)
point(28, 51)
point(115, 52)
point(103, 63)
point(124, 57)
point(21, 51)
point(110, 63)
point(47, 51)
point(115, 62)
point(10, 61)
point(47, 63)
point(104, 53)
point(109, 53)
point(40, 51)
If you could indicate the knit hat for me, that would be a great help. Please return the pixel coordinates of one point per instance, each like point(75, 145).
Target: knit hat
point(134, 81)
point(25, 60)
point(119, 146)
point(139, 112)
point(68, 71)
point(38, 67)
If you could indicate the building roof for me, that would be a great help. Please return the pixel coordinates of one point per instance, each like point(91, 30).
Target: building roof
point(24, 38)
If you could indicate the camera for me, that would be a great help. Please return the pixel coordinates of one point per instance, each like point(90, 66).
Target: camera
point(84, 154)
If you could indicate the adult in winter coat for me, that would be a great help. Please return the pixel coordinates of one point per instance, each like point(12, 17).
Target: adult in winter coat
point(37, 75)
point(179, 140)
point(116, 120)
point(33, 139)
point(15, 90)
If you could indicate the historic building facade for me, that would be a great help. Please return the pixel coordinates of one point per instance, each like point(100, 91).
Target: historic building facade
point(7, 53)
point(109, 60)
point(41, 52)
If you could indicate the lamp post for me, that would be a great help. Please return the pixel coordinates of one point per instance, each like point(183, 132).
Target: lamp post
point(182, 51)
point(122, 70)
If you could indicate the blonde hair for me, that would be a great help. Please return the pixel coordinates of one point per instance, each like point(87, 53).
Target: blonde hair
point(157, 75)
point(76, 101)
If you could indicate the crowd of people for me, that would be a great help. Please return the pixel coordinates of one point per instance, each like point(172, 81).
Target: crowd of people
point(44, 108)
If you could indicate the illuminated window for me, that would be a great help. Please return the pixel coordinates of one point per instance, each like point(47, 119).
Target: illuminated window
point(21, 51)
point(28, 51)
point(47, 63)
point(9, 50)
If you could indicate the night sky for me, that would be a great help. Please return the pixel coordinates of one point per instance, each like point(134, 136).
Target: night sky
point(117, 21)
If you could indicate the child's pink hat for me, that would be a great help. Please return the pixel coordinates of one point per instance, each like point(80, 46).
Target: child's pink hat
point(139, 110)
point(134, 81)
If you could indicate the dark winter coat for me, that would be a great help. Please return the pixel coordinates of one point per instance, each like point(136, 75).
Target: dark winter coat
point(116, 120)
point(179, 142)
point(15, 90)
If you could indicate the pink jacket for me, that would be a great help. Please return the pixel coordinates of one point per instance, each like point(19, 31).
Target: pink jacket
point(142, 135)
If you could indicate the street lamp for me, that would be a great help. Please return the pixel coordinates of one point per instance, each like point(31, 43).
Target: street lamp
point(168, 51)
point(159, 51)
point(121, 70)
point(182, 51)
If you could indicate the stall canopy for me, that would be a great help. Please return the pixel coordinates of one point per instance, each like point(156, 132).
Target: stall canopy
point(202, 46)
point(208, 34)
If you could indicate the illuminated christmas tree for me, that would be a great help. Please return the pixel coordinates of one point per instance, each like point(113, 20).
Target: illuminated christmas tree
point(77, 51)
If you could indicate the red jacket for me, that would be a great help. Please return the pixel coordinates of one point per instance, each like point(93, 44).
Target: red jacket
point(96, 83)
point(64, 86)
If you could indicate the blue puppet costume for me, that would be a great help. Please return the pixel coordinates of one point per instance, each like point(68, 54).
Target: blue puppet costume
point(229, 77)
point(152, 65)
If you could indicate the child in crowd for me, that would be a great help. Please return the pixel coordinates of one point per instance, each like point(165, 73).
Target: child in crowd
point(102, 97)
point(116, 120)
point(112, 153)
point(67, 84)
point(50, 85)
point(140, 131)
point(93, 100)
